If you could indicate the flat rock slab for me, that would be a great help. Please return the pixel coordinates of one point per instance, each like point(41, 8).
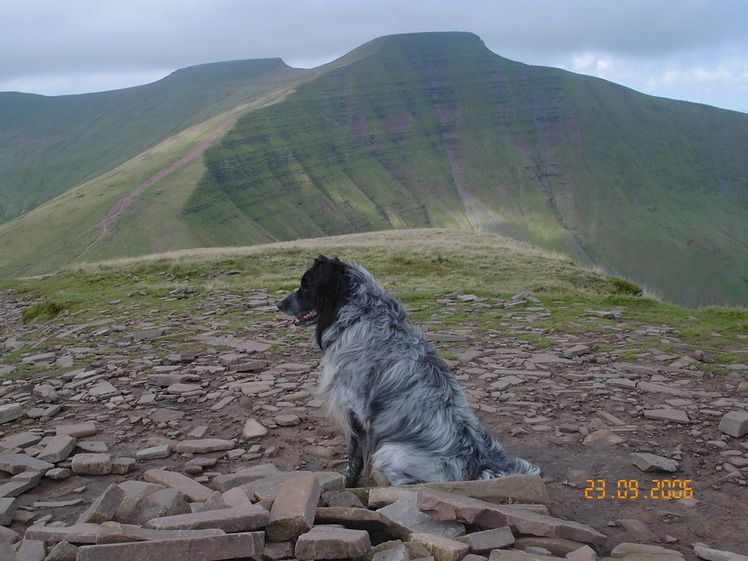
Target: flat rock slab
point(205, 445)
point(515, 555)
point(153, 453)
point(8, 506)
point(20, 440)
point(230, 480)
point(487, 540)
point(584, 553)
point(238, 519)
point(211, 548)
point(194, 491)
point(79, 430)
point(103, 389)
point(20, 483)
point(17, 463)
point(287, 420)
point(166, 380)
point(105, 506)
point(466, 510)
point(355, 518)
point(233, 342)
point(148, 334)
point(41, 357)
point(734, 423)
point(329, 542)
point(32, 550)
point(92, 464)
point(636, 552)
point(671, 415)
point(518, 488)
point(527, 522)
point(267, 488)
point(253, 429)
point(603, 438)
point(58, 448)
point(662, 388)
point(441, 548)
point(712, 554)
point(396, 553)
point(447, 337)
point(180, 388)
point(651, 462)
point(93, 446)
point(250, 366)
point(162, 502)
point(577, 350)
point(110, 532)
point(162, 415)
point(254, 388)
point(10, 412)
point(293, 509)
point(408, 519)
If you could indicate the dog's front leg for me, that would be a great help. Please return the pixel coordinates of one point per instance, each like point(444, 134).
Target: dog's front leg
point(356, 446)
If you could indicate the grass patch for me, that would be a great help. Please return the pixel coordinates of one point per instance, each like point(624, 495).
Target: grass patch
point(625, 287)
point(44, 311)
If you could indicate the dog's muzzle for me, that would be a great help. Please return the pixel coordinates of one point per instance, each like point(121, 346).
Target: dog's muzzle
point(291, 307)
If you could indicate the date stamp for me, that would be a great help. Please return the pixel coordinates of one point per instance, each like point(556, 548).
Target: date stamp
point(631, 489)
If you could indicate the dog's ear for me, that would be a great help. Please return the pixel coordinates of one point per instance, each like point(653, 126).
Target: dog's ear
point(330, 279)
point(332, 288)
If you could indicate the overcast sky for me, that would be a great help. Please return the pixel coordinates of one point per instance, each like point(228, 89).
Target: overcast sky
point(695, 50)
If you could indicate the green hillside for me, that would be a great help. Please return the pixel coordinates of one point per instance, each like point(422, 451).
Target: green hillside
point(435, 130)
point(50, 144)
point(412, 131)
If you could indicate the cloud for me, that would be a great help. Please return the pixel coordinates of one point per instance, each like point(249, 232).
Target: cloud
point(84, 45)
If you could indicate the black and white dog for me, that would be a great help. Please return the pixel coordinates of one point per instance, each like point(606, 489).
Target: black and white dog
point(404, 413)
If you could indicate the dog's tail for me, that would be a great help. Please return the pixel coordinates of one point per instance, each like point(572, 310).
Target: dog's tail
point(512, 466)
point(518, 465)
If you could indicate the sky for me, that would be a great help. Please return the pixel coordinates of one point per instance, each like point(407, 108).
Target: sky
point(693, 50)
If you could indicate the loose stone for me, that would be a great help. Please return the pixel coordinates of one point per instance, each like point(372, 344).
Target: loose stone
point(734, 423)
point(651, 462)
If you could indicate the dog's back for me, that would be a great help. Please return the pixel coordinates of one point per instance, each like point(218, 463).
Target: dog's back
point(380, 373)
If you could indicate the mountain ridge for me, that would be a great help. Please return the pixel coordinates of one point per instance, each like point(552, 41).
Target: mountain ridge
point(36, 128)
point(434, 130)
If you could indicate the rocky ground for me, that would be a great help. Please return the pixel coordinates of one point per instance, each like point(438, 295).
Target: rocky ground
point(641, 446)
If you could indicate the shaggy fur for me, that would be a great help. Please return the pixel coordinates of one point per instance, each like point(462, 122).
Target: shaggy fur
point(404, 413)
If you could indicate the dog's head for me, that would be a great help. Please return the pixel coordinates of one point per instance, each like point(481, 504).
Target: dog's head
point(324, 288)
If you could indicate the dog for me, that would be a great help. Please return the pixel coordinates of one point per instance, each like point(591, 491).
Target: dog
point(406, 418)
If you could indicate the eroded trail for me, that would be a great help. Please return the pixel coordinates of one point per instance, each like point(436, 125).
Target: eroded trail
point(106, 224)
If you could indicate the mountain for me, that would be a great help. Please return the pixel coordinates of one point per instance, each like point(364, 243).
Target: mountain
point(50, 144)
point(430, 130)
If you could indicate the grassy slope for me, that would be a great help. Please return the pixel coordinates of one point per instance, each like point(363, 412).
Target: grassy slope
point(54, 233)
point(416, 264)
point(665, 194)
point(79, 137)
point(63, 230)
